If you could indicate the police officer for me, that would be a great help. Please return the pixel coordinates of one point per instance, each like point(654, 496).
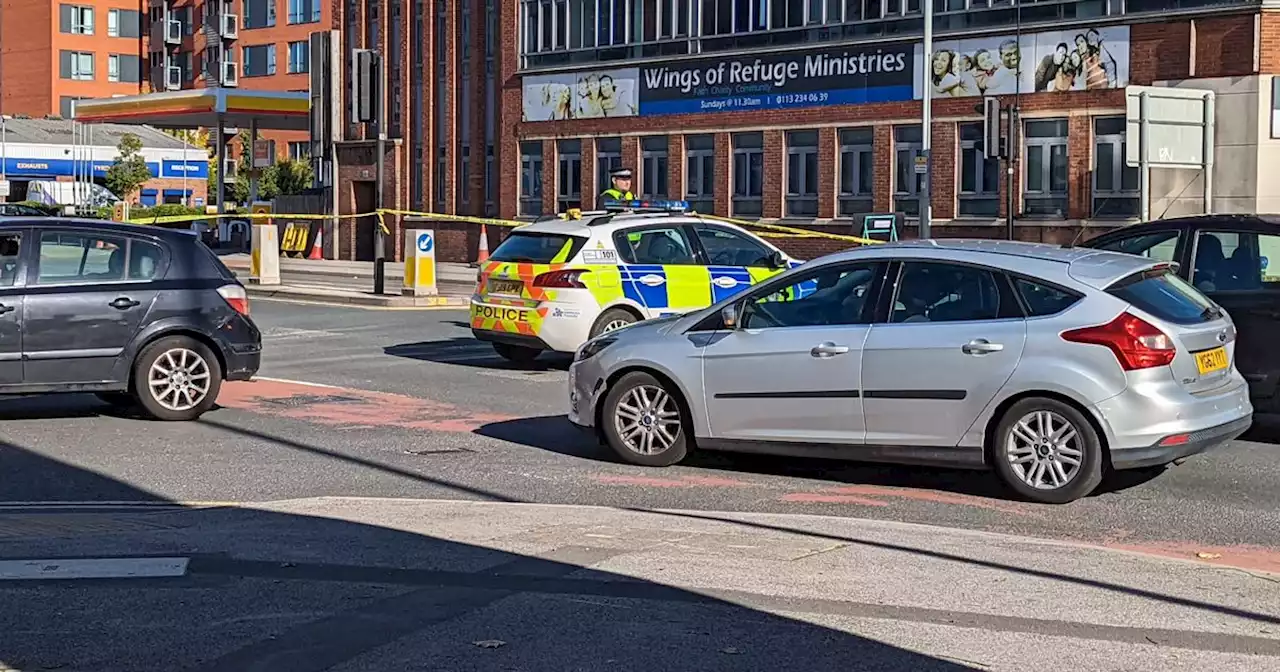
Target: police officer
point(621, 189)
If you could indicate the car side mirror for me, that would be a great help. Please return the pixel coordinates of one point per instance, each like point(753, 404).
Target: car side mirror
point(776, 260)
point(731, 315)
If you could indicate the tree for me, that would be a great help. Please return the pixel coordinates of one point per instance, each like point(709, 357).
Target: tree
point(293, 177)
point(129, 170)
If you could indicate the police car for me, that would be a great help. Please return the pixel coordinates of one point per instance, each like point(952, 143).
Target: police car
point(555, 283)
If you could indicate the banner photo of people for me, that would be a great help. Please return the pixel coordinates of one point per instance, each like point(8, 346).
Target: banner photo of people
point(581, 95)
point(1069, 60)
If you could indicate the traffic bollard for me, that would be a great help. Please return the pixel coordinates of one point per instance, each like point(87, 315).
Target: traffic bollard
point(420, 263)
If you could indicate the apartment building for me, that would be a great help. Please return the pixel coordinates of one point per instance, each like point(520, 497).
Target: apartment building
point(52, 53)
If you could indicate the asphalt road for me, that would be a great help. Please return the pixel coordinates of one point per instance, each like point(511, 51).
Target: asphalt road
point(418, 409)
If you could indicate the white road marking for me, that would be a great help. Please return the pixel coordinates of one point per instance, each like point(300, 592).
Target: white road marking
point(92, 568)
point(269, 379)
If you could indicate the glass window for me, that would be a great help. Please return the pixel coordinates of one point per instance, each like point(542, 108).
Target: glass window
point(257, 13)
point(113, 68)
point(608, 159)
point(1230, 260)
point(1043, 300)
point(908, 145)
point(299, 151)
point(144, 260)
point(662, 245)
point(530, 178)
point(259, 60)
point(979, 175)
point(1165, 295)
point(653, 157)
point(1115, 184)
point(830, 295)
point(726, 247)
point(113, 23)
point(802, 174)
point(935, 292)
point(568, 174)
point(748, 174)
point(857, 171)
point(1160, 245)
point(82, 20)
point(1044, 185)
point(299, 57)
point(10, 254)
point(536, 248)
point(304, 11)
point(72, 257)
point(699, 174)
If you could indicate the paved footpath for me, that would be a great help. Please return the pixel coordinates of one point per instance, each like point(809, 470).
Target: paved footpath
point(350, 584)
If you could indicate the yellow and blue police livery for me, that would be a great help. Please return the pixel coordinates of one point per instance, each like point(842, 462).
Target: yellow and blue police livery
point(555, 283)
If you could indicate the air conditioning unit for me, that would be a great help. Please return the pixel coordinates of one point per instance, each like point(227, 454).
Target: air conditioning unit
point(230, 74)
point(172, 31)
point(173, 78)
point(230, 27)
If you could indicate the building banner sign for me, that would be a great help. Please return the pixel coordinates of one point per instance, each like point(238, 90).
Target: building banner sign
point(833, 76)
point(1058, 61)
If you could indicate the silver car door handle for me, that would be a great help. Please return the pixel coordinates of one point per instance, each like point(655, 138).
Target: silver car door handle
point(828, 349)
point(981, 346)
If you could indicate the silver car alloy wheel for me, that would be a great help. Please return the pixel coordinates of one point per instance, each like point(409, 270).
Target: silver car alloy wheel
point(647, 419)
point(1044, 450)
point(179, 379)
point(614, 325)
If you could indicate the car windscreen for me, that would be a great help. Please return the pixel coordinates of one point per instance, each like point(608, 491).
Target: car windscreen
point(537, 248)
point(1162, 293)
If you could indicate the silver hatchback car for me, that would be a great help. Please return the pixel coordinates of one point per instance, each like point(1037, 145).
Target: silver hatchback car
point(1048, 364)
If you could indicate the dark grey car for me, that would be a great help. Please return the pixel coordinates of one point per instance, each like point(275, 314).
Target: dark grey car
point(137, 314)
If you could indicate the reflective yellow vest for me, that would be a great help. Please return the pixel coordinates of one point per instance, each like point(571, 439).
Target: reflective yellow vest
point(612, 194)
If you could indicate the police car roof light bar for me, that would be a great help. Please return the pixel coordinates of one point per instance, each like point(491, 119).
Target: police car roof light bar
point(646, 206)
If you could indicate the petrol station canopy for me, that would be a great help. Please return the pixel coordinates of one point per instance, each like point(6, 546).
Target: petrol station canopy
point(234, 108)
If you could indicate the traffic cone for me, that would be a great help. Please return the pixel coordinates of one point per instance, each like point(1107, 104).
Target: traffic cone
point(317, 251)
point(482, 254)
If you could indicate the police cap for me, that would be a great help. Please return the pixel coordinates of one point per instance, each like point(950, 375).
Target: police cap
point(621, 174)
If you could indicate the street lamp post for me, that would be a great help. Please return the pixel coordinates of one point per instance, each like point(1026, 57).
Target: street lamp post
point(926, 140)
point(4, 153)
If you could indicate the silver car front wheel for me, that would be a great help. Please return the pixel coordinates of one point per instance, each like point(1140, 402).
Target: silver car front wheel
point(643, 420)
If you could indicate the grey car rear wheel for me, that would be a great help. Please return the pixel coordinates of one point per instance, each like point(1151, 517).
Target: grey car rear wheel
point(643, 421)
point(176, 378)
point(1048, 451)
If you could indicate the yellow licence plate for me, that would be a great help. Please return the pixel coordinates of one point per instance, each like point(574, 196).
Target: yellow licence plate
point(505, 287)
point(1209, 361)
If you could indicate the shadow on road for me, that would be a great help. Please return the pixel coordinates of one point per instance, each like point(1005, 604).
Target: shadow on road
point(554, 433)
point(467, 351)
point(273, 590)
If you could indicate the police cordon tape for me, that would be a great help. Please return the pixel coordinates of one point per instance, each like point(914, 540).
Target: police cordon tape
point(770, 230)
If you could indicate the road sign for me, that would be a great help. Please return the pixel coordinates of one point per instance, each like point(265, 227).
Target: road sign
point(425, 242)
point(922, 164)
point(420, 263)
point(262, 157)
point(1176, 123)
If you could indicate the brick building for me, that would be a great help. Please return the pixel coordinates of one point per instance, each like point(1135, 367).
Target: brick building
point(53, 53)
point(810, 110)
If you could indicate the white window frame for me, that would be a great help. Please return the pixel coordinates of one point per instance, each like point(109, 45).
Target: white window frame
point(855, 202)
point(748, 194)
point(1038, 202)
point(906, 197)
point(78, 59)
point(79, 24)
point(799, 201)
point(1118, 167)
point(655, 166)
point(113, 23)
point(969, 202)
point(113, 68)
